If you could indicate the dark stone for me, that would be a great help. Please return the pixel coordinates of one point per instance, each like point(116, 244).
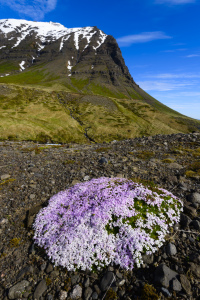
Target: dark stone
point(75, 279)
point(103, 161)
point(49, 297)
point(185, 284)
point(175, 285)
point(171, 249)
point(107, 280)
point(194, 257)
point(195, 269)
point(17, 290)
point(31, 215)
point(148, 259)
point(77, 292)
point(194, 198)
point(87, 282)
point(95, 296)
point(185, 221)
point(163, 275)
point(191, 211)
point(49, 268)
point(195, 224)
point(40, 289)
point(87, 293)
point(31, 250)
point(25, 271)
point(165, 292)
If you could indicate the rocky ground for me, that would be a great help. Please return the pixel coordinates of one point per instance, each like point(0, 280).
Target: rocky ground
point(30, 174)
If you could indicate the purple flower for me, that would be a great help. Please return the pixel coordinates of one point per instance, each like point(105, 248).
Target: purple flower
point(105, 221)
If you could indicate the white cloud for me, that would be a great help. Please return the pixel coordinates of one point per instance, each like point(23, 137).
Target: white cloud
point(143, 37)
point(150, 85)
point(193, 55)
point(174, 76)
point(35, 9)
point(174, 50)
point(174, 2)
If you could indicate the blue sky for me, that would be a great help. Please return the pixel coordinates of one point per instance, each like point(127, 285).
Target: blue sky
point(159, 40)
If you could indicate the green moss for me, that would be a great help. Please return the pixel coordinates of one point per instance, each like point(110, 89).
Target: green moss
point(149, 293)
point(102, 149)
point(36, 149)
point(195, 166)
point(104, 91)
point(190, 174)
point(69, 162)
point(168, 161)
point(111, 295)
point(14, 242)
point(2, 255)
point(145, 155)
point(8, 67)
point(7, 181)
point(43, 138)
point(67, 284)
point(48, 281)
point(80, 84)
point(196, 153)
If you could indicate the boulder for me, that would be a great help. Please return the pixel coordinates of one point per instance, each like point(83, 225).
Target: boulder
point(163, 275)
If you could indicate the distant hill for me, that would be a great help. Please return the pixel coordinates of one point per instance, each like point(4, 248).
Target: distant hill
point(71, 84)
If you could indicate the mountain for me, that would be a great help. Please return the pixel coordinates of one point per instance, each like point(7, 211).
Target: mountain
point(85, 54)
point(72, 84)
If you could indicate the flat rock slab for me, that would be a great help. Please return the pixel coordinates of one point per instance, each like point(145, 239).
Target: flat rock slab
point(185, 284)
point(17, 290)
point(5, 176)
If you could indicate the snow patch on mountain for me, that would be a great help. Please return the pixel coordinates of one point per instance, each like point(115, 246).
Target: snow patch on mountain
point(69, 67)
point(48, 32)
point(22, 65)
point(5, 75)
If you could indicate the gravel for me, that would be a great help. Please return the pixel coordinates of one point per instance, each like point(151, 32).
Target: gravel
point(30, 174)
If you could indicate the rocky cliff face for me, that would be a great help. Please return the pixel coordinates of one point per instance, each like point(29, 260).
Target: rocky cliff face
point(78, 52)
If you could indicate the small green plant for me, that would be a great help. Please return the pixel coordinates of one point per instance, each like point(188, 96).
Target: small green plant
point(67, 284)
point(7, 181)
point(190, 174)
point(145, 155)
point(69, 162)
point(111, 295)
point(195, 166)
point(48, 281)
point(2, 255)
point(196, 153)
point(149, 293)
point(43, 138)
point(102, 149)
point(14, 242)
point(168, 161)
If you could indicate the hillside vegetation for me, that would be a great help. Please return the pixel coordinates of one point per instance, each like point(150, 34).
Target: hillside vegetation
point(57, 114)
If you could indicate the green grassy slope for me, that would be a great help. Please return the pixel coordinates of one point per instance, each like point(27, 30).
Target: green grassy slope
point(42, 114)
